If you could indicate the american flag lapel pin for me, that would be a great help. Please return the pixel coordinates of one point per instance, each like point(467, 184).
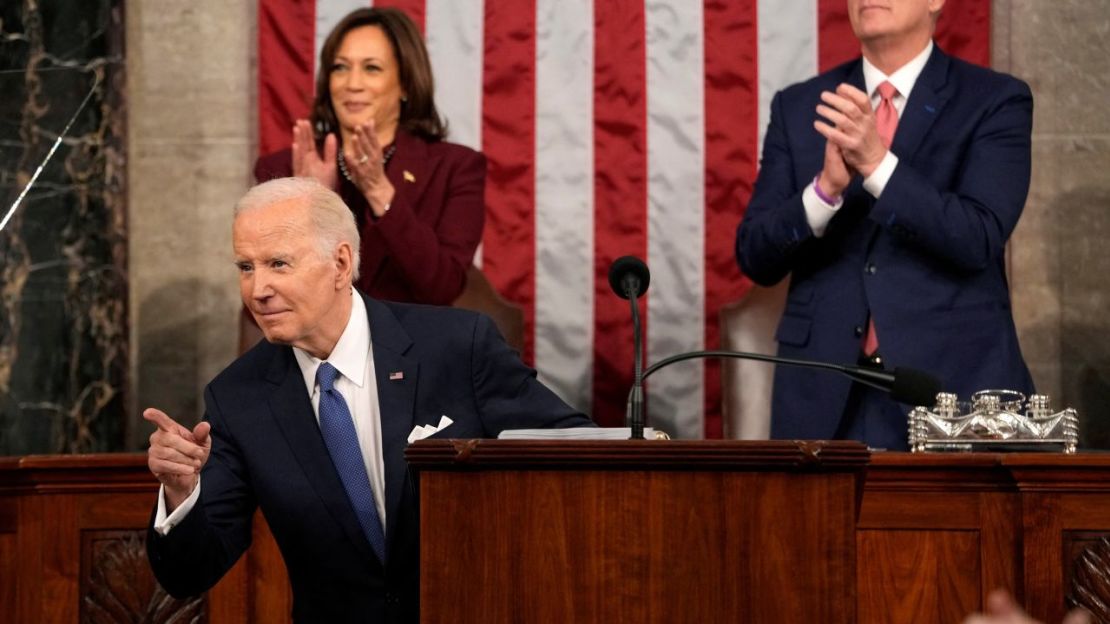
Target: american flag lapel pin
point(396, 376)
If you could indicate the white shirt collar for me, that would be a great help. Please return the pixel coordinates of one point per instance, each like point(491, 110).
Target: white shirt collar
point(349, 354)
point(903, 78)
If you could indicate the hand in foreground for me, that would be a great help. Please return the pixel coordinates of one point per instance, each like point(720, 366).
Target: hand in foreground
point(307, 162)
point(176, 455)
point(835, 175)
point(853, 130)
point(1001, 609)
point(365, 160)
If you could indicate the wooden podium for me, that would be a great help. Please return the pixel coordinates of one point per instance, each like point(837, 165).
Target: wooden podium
point(632, 532)
point(652, 531)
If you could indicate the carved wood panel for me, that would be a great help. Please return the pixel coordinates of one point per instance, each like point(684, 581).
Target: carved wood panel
point(118, 586)
point(1087, 572)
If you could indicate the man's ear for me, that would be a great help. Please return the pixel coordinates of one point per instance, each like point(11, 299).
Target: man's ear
point(344, 265)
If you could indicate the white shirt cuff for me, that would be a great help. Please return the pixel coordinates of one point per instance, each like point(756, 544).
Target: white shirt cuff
point(876, 182)
point(818, 213)
point(163, 523)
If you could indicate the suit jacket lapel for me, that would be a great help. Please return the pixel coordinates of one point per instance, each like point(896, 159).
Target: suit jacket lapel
point(291, 408)
point(928, 98)
point(855, 75)
point(397, 378)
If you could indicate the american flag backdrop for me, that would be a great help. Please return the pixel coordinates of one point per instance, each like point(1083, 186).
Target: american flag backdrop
point(612, 127)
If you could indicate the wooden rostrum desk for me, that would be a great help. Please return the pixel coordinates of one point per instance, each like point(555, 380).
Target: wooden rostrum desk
point(715, 531)
point(735, 531)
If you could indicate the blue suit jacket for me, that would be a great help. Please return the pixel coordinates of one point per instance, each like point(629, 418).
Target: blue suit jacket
point(267, 452)
point(926, 259)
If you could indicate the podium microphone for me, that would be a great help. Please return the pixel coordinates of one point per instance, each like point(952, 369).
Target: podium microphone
point(629, 278)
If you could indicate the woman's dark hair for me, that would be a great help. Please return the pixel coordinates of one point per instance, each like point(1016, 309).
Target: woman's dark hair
point(418, 112)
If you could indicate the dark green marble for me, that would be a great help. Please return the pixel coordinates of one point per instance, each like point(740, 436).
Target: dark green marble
point(63, 285)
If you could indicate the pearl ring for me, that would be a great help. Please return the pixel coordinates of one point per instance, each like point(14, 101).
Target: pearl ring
point(362, 161)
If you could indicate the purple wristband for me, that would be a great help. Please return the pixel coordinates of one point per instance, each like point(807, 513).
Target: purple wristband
point(820, 194)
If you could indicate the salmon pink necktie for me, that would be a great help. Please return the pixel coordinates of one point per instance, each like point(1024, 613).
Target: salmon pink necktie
point(886, 122)
point(886, 116)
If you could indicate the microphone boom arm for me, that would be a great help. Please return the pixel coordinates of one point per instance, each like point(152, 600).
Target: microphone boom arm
point(771, 359)
point(905, 385)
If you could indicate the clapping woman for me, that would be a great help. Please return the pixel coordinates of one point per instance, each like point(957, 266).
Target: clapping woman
point(376, 138)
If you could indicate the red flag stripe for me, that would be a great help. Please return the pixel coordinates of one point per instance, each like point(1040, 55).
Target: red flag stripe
point(836, 43)
point(508, 140)
point(731, 130)
point(964, 29)
point(286, 36)
point(620, 193)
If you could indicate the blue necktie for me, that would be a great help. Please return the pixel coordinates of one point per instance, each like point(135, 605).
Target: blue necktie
point(338, 429)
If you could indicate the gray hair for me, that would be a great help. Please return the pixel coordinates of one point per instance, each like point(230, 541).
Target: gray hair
point(333, 220)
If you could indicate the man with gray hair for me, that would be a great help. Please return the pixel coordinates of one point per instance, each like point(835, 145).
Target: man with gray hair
point(311, 424)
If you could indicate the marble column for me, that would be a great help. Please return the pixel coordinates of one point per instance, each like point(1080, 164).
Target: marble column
point(1060, 259)
point(63, 253)
point(192, 126)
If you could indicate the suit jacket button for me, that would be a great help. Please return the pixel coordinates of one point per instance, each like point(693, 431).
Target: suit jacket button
point(871, 268)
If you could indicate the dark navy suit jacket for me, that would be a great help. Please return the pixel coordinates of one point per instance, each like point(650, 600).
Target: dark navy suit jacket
point(267, 452)
point(926, 259)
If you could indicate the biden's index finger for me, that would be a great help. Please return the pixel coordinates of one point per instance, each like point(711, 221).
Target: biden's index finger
point(161, 420)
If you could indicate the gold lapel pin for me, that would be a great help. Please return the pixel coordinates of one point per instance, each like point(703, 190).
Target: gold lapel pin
point(409, 177)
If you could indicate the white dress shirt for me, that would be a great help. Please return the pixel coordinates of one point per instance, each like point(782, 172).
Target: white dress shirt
point(354, 359)
point(819, 213)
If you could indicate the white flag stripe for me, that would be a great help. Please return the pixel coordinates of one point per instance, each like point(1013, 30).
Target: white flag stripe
point(328, 14)
point(676, 211)
point(454, 32)
point(564, 196)
point(787, 49)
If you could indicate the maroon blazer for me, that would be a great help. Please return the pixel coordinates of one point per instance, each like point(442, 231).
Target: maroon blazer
point(420, 250)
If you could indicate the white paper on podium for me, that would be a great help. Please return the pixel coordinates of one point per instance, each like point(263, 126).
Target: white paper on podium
point(574, 433)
